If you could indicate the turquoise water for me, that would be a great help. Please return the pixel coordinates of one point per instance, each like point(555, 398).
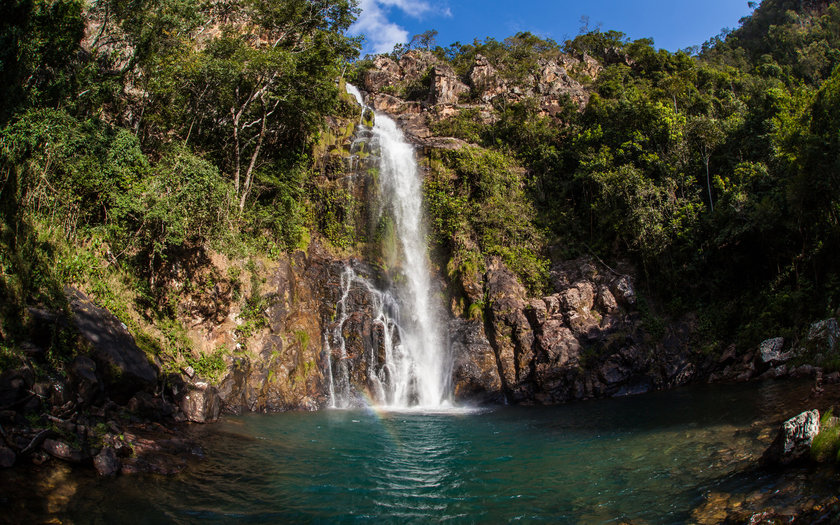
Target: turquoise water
point(650, 458)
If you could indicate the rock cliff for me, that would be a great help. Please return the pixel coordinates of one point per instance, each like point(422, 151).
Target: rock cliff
point(419, 89)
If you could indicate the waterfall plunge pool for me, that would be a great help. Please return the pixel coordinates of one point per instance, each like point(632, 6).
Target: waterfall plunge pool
point(650, 458)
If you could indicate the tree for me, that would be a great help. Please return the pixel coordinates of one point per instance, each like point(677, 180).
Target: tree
point(707, 133)
point(264, 83)
point(425, 40)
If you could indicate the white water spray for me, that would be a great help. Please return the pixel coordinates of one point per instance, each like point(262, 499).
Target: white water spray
point(416, 369)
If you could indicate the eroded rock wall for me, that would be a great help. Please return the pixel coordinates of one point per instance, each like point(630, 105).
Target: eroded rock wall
point(583, 341)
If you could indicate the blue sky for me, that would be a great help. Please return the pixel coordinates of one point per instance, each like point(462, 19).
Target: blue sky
point(673, 24)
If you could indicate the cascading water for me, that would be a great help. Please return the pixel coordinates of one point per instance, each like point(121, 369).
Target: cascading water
point(411, 366)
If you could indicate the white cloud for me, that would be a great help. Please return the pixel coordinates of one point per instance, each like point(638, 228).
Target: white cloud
point(412, 8)
point(380, 33)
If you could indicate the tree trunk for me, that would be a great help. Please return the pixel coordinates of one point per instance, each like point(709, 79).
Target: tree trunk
point(246, 188)
point(709, 184)
point(236, 153)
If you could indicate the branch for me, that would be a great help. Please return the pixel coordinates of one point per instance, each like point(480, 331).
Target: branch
point(37, 441)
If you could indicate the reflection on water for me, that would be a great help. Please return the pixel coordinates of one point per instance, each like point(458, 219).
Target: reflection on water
point(651, 458)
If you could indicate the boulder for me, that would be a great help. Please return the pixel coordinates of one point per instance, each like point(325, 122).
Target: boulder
point(148, 406)
point(106, 462)
point(823, 337)
point(624, 291)
point(606, 300)
point(61, 450)
point(770, 352)
point(124, 368)
point(793, 441)
point(83, 379)
point(200, 402)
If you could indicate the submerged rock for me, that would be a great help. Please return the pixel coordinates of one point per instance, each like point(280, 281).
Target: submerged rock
point(106, 462)
point(793, 441)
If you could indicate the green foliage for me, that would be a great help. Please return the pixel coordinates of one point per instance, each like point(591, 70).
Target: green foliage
point(826, 444)
point(211, 367)
point(40, 53)
point(485, 205)
point(466, 125)
point(253, 315)
point(476, 311)
point(336, 212)
point(715, 173)
point(516, 58)
point(183, 202)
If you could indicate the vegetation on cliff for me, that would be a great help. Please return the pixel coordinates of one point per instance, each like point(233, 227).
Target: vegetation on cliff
point(135, 136)
point(713, 169)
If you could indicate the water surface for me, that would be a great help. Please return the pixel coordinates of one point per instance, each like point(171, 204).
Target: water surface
point(650, 458)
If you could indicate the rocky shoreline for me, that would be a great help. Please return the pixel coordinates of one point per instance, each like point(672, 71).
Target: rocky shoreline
point(113, 411)
point(117, 411)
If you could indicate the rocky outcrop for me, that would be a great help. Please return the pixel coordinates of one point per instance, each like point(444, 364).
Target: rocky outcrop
point(583, 341)
point(283, 367)
point(823, 339)
point(385, 72)
point(475, 368)
point(793, 441)
point(446, 87)
point(509, 330)
point(122, 366)
point(485, 80)
point(420, 89)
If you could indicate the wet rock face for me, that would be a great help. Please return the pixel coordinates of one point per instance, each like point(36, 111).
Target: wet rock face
point(509, 331)
point(793, 441)
point(287, 368)
point(583, 341)
point(475, 373)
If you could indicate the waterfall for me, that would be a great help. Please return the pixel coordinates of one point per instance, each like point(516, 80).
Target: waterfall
point(411, 366)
